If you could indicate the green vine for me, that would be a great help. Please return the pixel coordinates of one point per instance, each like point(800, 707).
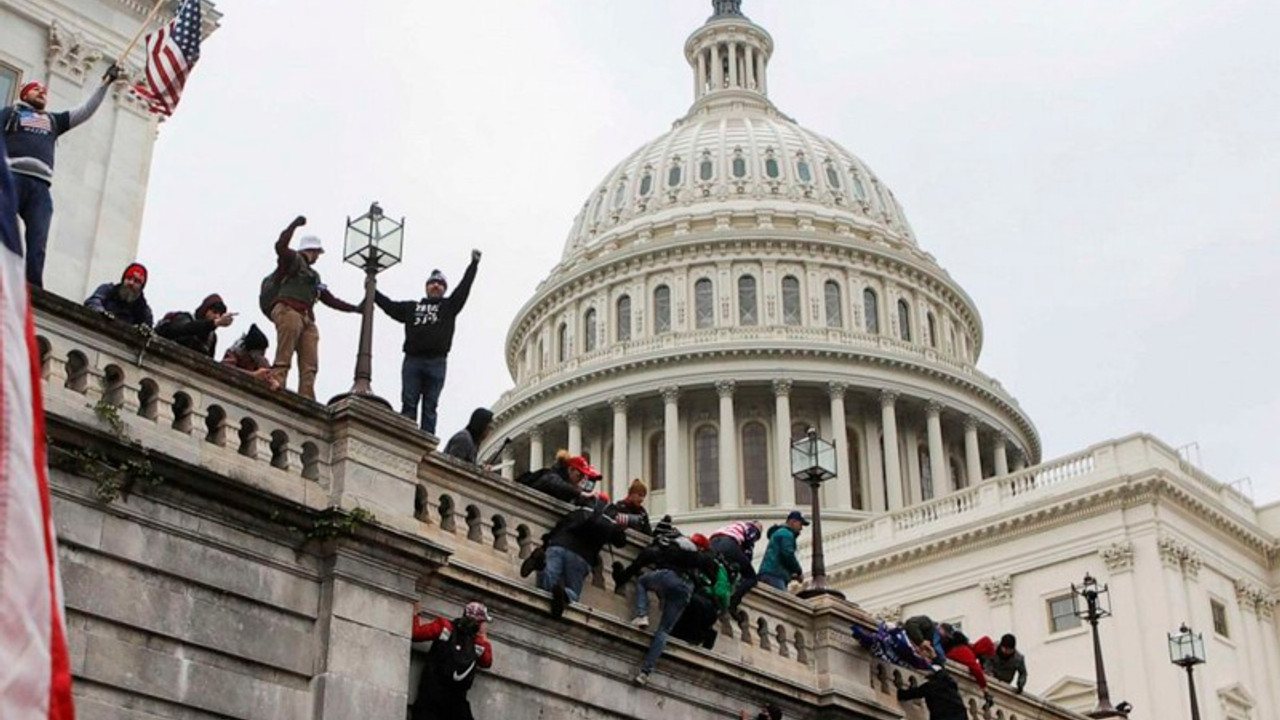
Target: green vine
point(109, 413)
point(113, 479)
point(334, 522)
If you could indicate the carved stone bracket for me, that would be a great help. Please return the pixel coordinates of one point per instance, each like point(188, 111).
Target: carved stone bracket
point(1253, 597)
point(1175, 554)
point(998, 589)
point(70, 54)
point(837, 389)
point(1118, 556)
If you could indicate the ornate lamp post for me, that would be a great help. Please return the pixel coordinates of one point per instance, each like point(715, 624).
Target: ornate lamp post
point(1097, 606)
point(1186, 649)
point(813, 461)
point(374, 242)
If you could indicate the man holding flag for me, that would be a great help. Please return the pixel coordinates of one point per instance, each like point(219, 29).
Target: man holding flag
point(35, 671)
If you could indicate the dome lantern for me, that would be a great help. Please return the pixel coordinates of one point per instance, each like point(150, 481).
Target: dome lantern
point(730, 58)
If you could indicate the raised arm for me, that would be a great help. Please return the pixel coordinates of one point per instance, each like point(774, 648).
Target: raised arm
point(78, 115)
point(285, 256)
point(458, 299)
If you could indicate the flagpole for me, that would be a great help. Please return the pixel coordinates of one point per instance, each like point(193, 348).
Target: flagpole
point(145, 24)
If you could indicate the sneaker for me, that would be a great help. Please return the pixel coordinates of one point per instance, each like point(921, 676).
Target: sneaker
point(536, 561)
point(642, 678)
point(709, 639)
point(559, 599)
point(641, 622)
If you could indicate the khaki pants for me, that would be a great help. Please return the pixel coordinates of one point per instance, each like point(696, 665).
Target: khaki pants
point(296, 332)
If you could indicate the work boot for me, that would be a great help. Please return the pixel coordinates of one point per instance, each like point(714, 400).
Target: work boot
point(709, 639)
point(559, 598)
point(536, 561)
point(619, 581)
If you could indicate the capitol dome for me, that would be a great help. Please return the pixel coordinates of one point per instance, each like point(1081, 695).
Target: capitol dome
point(733, 283)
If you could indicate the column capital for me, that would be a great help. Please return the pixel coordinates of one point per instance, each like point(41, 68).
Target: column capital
point(888, 397)
point(933, 408)
point(619, 403)
point(1118, 556)
point(971, 422)
point(670, 394)
point(573, 416)
point(998, 589)
point(725, 388)
point(782, 387)
point(1251, 596)
point(837, 389)
point(534, 432)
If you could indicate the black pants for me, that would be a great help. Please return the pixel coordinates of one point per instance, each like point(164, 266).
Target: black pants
point(729, 549)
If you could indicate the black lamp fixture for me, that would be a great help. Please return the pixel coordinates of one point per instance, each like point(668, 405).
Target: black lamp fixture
point(1097, 605)
point(813, 461)
point(1186, 650)
point(373, 243)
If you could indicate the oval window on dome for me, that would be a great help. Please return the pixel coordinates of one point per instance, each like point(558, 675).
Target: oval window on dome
point(771, 168)
point(706, 170)
point(858, 188)
point(620, 194)
point(739, 167)
point(803, 172)
point(833, 177)
point(646, 184)
point(674, 176)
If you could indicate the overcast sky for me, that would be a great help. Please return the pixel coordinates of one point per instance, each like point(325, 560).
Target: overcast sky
point(1102, 177)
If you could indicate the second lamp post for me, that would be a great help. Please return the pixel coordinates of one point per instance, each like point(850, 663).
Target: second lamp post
point(374, 242)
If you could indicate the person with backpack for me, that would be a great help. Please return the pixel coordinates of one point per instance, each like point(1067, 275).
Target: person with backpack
point(428, 336)
point(459, 647)
point(288, 296)
point(573, 547)
point(249, 355)
point(197, 331)
point(736, 542)
point(780, 565)
point(124, 301)
point(30, 136)
point(940, 694)
point(677, 571)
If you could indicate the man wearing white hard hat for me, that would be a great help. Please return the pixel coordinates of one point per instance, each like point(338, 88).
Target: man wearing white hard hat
point(288, 297)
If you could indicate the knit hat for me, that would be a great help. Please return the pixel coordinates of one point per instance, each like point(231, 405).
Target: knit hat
point(437, 276)
point(477, 611)
point(135, 270)
point(310, 242)
point(254, 339)
point(29, 87)
point(1009, 641)
point(212, 302)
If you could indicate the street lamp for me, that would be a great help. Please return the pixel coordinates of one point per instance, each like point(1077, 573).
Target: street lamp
point(813, 461)
point(374, 242)
point(1097, 606)
point(1186, 649)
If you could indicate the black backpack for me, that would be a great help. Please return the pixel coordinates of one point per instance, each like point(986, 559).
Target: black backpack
point(452, 661)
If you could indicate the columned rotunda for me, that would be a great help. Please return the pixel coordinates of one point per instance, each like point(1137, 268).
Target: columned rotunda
point(730, 284)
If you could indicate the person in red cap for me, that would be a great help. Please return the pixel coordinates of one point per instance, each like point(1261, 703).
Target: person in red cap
point(30, 136)
point(125, 300)
point(197, 331)
point(458, 648)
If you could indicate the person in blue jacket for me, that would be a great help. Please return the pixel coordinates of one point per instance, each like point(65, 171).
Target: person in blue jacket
point(780, 565)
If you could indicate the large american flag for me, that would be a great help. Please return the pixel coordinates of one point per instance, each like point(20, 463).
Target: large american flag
point(35, 674)
point(172, 52)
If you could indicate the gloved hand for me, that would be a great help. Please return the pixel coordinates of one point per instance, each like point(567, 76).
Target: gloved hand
point(987, 700)
point(113, 73)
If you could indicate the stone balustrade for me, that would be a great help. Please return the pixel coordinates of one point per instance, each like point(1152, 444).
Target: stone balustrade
point(248, 539)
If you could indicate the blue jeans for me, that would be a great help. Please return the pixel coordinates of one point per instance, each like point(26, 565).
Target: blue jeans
point(774, 581)
point(567, 564)
point(422, 378)
point(35, 207)
point(675, 592)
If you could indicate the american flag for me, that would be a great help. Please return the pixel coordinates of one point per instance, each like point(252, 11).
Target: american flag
point(172, 52)
point(35, 669)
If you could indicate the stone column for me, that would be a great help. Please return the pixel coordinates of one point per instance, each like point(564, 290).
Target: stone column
point(1270, 647)
point(937, 454)
point(843, 499)
point(876, 500)
point(717, 70)
point(1247, 596)
point(733, 65)
point(972, 460)
point(1001, 454)
point(1019, 460)
point(912, 473)
point(701, 78)
point(728, 446)
point(892, 460)
point(750, 65)
point(536, 459)
point(621, 474)
point(760, 75)
point(574, 419)
point(509, 462)
point(784, 487)
point(677, 490)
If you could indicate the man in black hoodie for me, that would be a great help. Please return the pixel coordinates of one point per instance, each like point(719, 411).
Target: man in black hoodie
point(940, 695)
point(465, 444)
point(428, 335)
point(197, 331)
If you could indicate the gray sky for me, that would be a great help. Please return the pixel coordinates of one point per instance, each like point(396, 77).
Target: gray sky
point(1102, 177)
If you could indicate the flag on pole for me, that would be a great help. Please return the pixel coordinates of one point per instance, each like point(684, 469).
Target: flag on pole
point(35, 672)
point(172, 52)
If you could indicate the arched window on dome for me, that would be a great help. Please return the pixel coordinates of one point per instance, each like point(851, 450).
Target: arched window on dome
point(904, 320)
point(661, 310)
point(772, 169)
point(859, 188)
point(706, 466)
point(675, 173)
point(707, 167)
point(833, 175)
point(926, 473)
point(589, 330)
point(933, 330)
point(871, 311)
point(748, 305)
point(620, 194)
point(739, 165)
point(704, 304)
point(646, 182)
point(834, 305)
point(755, 464)
point(803, 172)
point(624, 318)
point(791, 314)
point(599, 211)
point(657, 461)
point(804, 494)
point(562, 343)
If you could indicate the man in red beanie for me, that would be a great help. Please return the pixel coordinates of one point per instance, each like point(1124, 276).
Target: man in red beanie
point(30, 134)
point(197, 331)
point(124, 301)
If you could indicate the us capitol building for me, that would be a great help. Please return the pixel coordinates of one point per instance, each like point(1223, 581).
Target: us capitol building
point(741, 278)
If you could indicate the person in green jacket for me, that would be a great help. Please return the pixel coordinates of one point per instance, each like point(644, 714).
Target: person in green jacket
point(780, 565)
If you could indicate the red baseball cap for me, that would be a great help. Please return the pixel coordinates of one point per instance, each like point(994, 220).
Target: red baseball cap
point(579, 463)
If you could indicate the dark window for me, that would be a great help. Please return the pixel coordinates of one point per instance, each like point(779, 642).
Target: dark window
point(589, 327)
point(855, 470)
point(739, 167)
point(747, 312)
point(1062, 614)
point(1219, 612)
point(858, 188)
point(871, 310)
point(704, 304)
point(646, 184)
point(661, 309)
point(771, 168)
point(706, 170)
point(803, 172)
point(926, 475)
point(674, 175)
point(706, 466)
point(624, 318)
point(562, 343)
point(834, 306)
point(933, 331)
point(904, 320)
point(755, 464)
point(658, 461)
point(833, 177)
point(9, 78)
point(791, 314)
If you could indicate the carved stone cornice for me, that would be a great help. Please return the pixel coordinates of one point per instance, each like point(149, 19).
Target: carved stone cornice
point(725, 388)
point(1252, 597)
point(933, 408)
point(1176, 554)
point(782, 387)
point(70, 54)
point(998, 589)
point(619, 403)
point(1118, 556)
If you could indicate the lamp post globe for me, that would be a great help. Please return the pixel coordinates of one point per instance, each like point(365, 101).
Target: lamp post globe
point(1186, 650)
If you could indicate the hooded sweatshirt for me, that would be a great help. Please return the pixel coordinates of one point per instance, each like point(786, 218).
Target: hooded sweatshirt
point(192, 330)
point(465, 444)
point(429, 322)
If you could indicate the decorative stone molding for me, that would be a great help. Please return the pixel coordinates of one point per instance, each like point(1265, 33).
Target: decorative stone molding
point(1252, 597)
point(725, 388)
point(573, 416)
point(971, 423)
point(837, 389)
point(534, 432)
point(933, 408)
point(782, 387)
point(670, 394)
point(619, 403)
point(888, 397)
point(1175, 554)
point(888, 613)
point(1191, 564)
point(998, 589)
point(70, 54)
point(1118, 556)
